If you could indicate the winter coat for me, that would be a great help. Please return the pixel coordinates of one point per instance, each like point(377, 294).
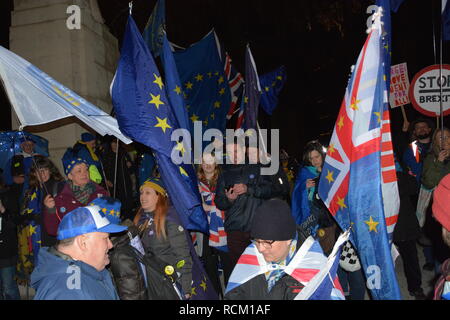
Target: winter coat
point(173, 250)
point(239, 213)
point(416, 167)
point(256, 288)
point(126, 269)
point(407, 226)
point(59, 277)
point(65, 202)
point(434, 171)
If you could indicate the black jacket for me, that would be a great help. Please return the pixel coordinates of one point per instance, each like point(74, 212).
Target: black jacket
point(239, 213)
point(407, 226)
point(256, 289)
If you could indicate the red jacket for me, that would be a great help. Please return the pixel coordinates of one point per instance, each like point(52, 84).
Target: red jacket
point(65, 202)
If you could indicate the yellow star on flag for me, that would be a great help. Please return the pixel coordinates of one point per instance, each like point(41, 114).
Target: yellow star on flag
point(209, 74)
point(33, 196)
point(329, 176)
point(32, 229)
point(245, 99)
point(158, 81)
point(177, 89)
point(162, 123)
point(220, 80)
point(156, 100)
point(111, 213)
point(331, 149)
point(194, 117)
point(341, 122)
point(217, 104)
point(203, 285)
point(341, 203)
point(354, 104)
point(205, 122)
point(193, 293)
point(180, 147)
point(222, 91)
point(378, 114)
point(183, 172)
point(216, 73)
point(279, 78)
point(188, 85)
point(267, 89)
point(372, 224)
point(199, 77)
point(213, 116)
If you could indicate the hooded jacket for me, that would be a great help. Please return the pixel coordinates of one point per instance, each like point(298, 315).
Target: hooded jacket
point(59, 277)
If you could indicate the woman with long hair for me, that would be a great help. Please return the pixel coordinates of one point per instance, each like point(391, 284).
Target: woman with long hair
point(44, 180)
point(161, 233)
point(306, 181)
point(214, 247)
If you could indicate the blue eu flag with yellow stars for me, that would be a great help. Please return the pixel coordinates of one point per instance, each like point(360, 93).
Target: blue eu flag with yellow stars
point(271, 85)
point(204, 85)
point(144, 114)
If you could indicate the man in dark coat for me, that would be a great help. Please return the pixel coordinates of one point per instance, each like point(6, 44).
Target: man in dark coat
point(240, 190)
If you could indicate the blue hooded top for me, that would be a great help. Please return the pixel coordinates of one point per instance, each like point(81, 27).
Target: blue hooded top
point(55, 278)
point(301, 196)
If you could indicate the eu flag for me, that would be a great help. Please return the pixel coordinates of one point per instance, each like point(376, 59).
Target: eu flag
point(252, 91)
point(154, 31)
point(357, 165)
point(143, 112)
point(204, 84)
point(271, 85)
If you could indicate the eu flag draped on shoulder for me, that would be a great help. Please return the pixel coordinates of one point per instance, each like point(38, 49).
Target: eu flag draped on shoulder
point(352, 176)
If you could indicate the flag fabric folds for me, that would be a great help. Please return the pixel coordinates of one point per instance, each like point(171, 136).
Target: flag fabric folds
point(445, 8)
point(37, 98)
point(144, 114)
point(154, 31)
point(252, 91)
point(204, 85)
point(271, 85)
point(352, 176)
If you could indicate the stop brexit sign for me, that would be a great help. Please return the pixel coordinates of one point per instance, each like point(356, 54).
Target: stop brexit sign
point(425, 90)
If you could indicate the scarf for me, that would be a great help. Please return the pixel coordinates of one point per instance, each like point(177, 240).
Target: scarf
point(216, 218)
point(91, 151)
point(82, 194)
point(272, 276)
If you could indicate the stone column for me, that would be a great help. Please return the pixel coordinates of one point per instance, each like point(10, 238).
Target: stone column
point(83, 59)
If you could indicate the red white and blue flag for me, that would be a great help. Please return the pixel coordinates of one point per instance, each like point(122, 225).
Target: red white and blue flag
point(358, 182)
point(309, 266)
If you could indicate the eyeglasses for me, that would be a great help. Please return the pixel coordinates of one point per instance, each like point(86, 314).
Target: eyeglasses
point(266, 244)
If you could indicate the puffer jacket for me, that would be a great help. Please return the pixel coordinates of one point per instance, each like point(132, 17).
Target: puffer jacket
point(239, 213)
point(125, 268)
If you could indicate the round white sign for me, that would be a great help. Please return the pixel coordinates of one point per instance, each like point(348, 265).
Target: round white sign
point(425, 90)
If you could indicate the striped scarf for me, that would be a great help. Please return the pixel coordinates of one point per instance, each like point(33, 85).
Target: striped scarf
point(82, 194)
point(216, 218)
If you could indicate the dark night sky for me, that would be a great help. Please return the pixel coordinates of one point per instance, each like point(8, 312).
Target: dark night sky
point(317, 41)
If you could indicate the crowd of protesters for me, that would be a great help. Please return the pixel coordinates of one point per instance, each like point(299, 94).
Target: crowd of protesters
point(49, 224)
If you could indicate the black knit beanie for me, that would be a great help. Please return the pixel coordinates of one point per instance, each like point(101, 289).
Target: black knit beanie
point(273, 221)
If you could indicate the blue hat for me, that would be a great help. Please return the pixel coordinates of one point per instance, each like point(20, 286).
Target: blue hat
point(157, 184)
point(86, 137)
point(69, 163)
point(110, 207)
point(84, 220)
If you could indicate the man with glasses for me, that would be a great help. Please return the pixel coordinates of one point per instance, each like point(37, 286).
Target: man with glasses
point(276, 238)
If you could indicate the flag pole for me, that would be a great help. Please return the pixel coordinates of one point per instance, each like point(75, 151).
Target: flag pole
point(115, 168)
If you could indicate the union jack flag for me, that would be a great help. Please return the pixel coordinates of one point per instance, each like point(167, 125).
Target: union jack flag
point(358, 182)
point(235, 82)
point(309, 266)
